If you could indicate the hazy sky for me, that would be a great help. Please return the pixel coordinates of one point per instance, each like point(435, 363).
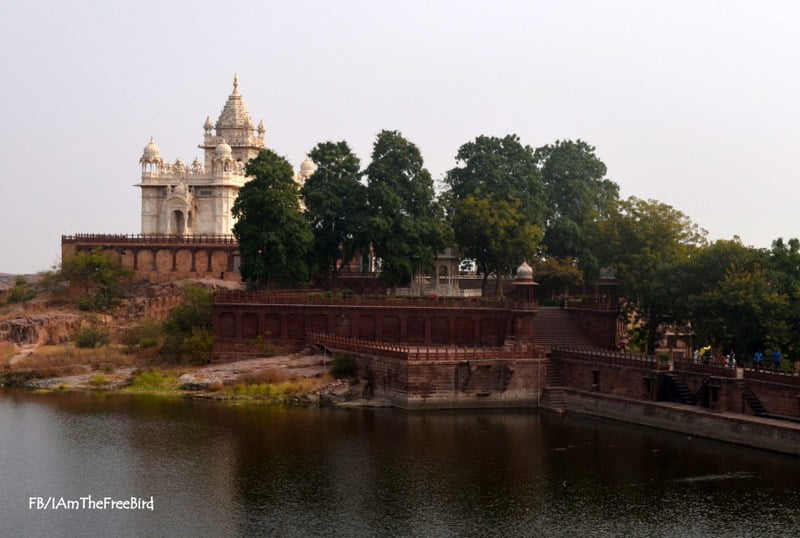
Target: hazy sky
point(695, 104)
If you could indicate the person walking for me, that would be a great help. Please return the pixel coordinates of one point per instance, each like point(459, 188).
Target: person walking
point(696, 356)
point(758, 358)
point(776, 359)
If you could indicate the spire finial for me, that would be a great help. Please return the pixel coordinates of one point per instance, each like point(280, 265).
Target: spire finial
point(235, 84)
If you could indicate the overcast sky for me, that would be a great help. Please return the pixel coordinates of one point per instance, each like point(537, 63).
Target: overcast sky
point(695, 104)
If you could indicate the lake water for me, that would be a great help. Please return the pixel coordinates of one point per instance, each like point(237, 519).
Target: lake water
point(224, 470)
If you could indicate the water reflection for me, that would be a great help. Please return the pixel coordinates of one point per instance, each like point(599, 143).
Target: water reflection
point(218, 469)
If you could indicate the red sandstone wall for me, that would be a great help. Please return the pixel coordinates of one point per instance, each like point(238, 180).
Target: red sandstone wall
point(613, 379)
point(237, 325)
point(162, 263)
point(599, 325)
point(777, 398)
point(780, 395)
point(483, 383)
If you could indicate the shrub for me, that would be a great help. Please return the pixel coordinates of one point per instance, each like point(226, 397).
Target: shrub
point(21, 292)
point(153, 381)
point(96, 271)
point(187, 331)
point(91, 337)
point(274, 393)
point(198, 347)
point(343, 366)
point(98, 380)
point(146, 335)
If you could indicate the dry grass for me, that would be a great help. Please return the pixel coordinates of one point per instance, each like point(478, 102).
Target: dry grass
point(51, 361)
point(21, 310)
point(268, 376)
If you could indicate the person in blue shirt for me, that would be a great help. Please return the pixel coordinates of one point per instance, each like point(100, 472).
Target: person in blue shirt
point(776, 359)
point(758, 358)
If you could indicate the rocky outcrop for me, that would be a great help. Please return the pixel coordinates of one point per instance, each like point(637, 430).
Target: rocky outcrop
point(40, 329)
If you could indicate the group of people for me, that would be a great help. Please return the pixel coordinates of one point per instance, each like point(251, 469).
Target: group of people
point(706, 356)
point(758, 360)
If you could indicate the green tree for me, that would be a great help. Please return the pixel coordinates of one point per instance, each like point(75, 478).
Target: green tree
point(645, 239)
point(496, 194)
point(406, 226)
point(495, 233)
point(336, 204)
point(187, 328)
point(556, 274)
point(501, 169)
point(99, 274)
point(576, 194)
point(274, 237)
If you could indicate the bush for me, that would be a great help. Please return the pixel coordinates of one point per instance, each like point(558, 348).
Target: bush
point(153, 381)
point(146, 335)
point(98, 380)
point(91, 337)
point(187, 331)
point(343, 366)
point(21, 292)
point(197, 348)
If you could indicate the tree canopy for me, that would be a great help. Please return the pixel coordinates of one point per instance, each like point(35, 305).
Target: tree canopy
point(406, 226)
point(576, 194)
point(496, 234)
point(497, 204)
point(336, 207)
point(501, 169)
point(99, 274)
point(274, 237)
point(644, 239)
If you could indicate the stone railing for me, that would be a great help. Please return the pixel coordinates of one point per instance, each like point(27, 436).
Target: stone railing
point(624, 358)
point(771, 376)
point(318, 299)
point(102, 239)
point(423, 353)
point(710, 368)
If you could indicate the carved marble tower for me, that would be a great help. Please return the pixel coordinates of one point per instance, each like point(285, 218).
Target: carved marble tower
point(180, 199)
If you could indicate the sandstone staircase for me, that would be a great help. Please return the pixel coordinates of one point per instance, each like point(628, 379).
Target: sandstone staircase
point(554, 396)
point(554, 326)
point(681, 390)
point(751, 399)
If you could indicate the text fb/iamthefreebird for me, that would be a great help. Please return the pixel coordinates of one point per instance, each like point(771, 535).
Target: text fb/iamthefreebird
point(90, 503)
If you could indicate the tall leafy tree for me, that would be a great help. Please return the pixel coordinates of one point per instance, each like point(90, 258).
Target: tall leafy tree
point(644, 239)
point(499, 168)
point(496, 234)
point(406, 226)
point(576, 193)
point(274, 237)
point(336, 203)
point(496, 181)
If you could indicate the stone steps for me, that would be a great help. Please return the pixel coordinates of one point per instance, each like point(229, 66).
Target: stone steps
point(554, 326)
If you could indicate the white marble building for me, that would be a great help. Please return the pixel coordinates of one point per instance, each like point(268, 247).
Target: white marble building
point(193, 199)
